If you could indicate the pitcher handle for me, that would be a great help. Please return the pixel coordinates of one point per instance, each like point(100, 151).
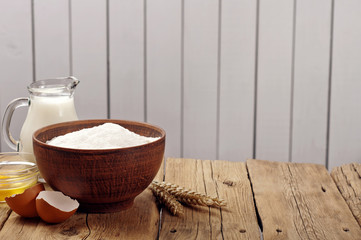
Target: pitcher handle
point(19, 102)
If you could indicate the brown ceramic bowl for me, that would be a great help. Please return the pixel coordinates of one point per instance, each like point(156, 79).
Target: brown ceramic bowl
point(101, 180)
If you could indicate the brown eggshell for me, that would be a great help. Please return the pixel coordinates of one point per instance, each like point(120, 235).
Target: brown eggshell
point(24, 203)
point(50, 203)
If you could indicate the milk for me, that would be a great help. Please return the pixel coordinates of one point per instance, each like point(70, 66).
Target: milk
point(44, 111)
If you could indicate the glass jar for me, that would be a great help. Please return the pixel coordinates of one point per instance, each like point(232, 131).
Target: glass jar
point(17, 172)
point(51, 101)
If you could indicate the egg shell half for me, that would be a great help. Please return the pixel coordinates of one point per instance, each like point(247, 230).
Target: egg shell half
point(55, 207)
point(24, 203)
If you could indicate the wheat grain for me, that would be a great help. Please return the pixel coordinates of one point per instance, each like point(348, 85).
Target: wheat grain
point(165, 198)
point(188, 196)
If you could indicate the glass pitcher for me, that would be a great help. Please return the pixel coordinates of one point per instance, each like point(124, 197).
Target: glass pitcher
point(51, 101)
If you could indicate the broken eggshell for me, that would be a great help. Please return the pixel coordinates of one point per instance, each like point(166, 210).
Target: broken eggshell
point(55, 207)
point(24, 203)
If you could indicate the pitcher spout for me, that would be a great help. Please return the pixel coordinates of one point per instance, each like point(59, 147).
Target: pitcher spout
point(73, 83)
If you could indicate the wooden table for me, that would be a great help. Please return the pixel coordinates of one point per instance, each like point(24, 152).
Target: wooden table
point(265, 199)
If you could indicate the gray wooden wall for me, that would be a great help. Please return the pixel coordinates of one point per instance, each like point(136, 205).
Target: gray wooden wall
point(227, 79)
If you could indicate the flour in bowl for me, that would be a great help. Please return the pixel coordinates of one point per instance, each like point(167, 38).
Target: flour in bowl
point(105, 136)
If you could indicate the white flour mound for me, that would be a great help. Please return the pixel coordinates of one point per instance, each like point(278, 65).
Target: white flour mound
point(105, 136)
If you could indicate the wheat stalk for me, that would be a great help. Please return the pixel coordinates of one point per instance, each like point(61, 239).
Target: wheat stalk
point(164, 197)
point(188, 196)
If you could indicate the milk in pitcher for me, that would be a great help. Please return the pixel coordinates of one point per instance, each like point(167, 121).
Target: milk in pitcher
point(42, 112)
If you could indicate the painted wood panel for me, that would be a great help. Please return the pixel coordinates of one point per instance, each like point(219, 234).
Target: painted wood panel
point(52, 40)
point(311, 77)
point(163, 77)
point(195, 69)
point(200, 78)
point(15, 59)
point(345, 119)
point(126, 59)
point(237, 77)
point(274, 79)
point(89, 57)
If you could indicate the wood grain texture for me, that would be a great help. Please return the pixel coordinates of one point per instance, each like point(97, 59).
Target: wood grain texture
point(348, 181)
point(216, 178)
point(139, 222)
point(294, 201)
point(33, 228)
point(17, 227)
point(300, 201)
point(135, 223)
point(5, 212)
point(239, 220)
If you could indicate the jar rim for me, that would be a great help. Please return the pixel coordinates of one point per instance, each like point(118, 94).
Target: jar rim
point(14, 167)
point(63, 86)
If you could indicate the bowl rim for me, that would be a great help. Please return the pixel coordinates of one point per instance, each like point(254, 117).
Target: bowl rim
point(98, 151)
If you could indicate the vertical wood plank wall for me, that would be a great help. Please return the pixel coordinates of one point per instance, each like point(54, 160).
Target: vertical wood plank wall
point(310, 79)
point(227, 79)
point(274, 79)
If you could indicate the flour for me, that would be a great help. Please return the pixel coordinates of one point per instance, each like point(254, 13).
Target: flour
point(105, 136)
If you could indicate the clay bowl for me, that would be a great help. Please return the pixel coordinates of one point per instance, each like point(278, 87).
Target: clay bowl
point(101, 180)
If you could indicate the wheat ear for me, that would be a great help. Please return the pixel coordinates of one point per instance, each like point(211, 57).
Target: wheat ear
point(190, 197)
point(164, 197)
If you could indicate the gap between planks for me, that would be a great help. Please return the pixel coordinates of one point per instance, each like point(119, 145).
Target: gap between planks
point(300, 201)
point(139, 222)
point(217, 178)
point(224, 179)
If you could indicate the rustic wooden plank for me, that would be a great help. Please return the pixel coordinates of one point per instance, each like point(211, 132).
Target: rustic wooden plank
point(135, 223)
point(239, 220)
point(216, 178)
point(348, 181)
point(139, 222)
point(5, 212)
point(300, 201)
point(17, 227)
point(196, 221)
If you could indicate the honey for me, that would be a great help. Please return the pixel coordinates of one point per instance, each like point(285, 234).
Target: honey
point(17, 173)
